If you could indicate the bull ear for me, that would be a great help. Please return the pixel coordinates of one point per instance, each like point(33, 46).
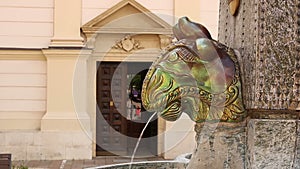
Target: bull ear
point(185, 54)
point(187, 51)
point(207, 49)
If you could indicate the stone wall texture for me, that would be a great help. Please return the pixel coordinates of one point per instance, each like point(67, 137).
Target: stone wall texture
point(220, 145)
point(297, 159)
point(266, 33)
point(272, 143)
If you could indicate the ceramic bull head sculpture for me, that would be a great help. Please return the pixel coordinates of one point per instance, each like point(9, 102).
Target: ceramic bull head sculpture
point(195, 75)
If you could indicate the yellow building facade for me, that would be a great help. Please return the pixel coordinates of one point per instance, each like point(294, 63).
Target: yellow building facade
point(50, 85)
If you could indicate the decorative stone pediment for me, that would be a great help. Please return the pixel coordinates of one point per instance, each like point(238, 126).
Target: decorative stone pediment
point(126, 27)
point(127, 16)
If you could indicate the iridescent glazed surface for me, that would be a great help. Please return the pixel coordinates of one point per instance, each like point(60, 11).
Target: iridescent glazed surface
point(195, 75)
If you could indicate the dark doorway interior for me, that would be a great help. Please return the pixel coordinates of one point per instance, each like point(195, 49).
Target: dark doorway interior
point(120, 115)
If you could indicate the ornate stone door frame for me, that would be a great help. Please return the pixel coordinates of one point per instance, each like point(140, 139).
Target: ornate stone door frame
point(110, 39)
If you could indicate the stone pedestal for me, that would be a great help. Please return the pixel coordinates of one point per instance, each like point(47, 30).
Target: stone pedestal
point(272, 143)
point(267, 35)
point(219, 145)
point(273, 139)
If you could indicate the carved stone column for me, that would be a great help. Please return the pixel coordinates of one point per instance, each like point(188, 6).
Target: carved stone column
point(265, 32)
point(267, 35)
point(66, 90)
point(66, 31)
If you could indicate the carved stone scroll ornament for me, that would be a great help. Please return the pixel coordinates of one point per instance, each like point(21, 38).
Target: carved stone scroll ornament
point(195, 75)
point(127, 44)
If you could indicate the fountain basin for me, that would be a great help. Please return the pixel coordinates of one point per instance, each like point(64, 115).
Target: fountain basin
point(146, 165)
point(180, 162)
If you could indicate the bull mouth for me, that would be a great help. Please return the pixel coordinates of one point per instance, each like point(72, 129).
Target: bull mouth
point(172, 111)
point(169, 105)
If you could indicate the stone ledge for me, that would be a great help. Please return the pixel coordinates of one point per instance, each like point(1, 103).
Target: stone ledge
point(274, 114)
point(41, 145)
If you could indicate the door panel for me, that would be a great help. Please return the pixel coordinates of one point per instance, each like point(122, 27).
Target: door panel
point(110, 121)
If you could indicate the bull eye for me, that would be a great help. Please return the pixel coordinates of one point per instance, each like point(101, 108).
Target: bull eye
point(173, 57)
point(175, 107)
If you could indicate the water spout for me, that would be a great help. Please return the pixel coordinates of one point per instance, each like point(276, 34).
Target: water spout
point(139, 140)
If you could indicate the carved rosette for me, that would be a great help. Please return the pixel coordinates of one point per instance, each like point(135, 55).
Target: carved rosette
point(165, 40)
point(127, 44)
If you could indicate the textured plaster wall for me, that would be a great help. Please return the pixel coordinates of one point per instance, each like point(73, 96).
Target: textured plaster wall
point(26, 24)
point(23, 94)
point(92, 8)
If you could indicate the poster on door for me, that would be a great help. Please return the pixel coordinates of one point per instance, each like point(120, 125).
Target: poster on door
point(134, 110)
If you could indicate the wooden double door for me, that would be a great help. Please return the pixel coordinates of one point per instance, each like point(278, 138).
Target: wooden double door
point(116, 130)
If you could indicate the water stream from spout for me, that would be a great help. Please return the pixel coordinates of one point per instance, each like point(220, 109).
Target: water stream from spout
point(139, 140)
